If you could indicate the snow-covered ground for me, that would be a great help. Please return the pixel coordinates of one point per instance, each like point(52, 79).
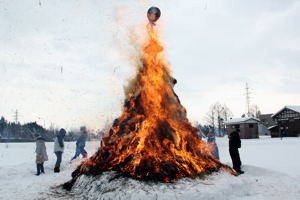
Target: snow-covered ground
point(18, 169)
point(270, 153)
point(272, 171)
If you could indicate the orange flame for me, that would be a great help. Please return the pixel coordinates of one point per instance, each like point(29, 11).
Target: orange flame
point(153, 138)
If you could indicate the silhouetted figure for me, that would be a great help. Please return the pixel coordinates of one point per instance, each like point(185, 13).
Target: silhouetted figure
point(80, 144)
point(59, 148)
point(41, 154)
point(234, 145)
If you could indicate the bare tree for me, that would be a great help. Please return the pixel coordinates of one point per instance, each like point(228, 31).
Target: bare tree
point(210, 117)
point(254, 111)
point(216, 117)
point(227, 114)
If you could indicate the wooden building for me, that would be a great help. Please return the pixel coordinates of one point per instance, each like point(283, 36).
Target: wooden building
point(266, 121)
point(248, 127)
point(287, 122)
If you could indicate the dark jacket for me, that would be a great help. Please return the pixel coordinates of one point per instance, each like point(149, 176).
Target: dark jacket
point(234, 140)
point(81, 141)
point(59, 141)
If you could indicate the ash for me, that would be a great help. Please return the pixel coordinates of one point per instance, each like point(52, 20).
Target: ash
point(112, 185)
point(256, 184)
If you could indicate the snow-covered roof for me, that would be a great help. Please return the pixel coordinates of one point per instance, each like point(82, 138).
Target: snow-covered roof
point(242, 120)
point(272, 127)
point(294, 108)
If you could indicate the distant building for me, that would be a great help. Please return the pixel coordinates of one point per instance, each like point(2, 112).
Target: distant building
point(248, 127)
point(266, 122)
point(287, 122)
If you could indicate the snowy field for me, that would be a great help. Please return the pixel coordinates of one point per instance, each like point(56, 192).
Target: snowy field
point(272, 171)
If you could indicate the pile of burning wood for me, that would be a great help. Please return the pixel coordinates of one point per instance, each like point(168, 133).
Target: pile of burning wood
point(152, 139)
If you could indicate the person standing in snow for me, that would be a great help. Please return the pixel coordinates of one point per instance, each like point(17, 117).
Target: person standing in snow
point(211, 140)
point(80, 144)
point(59, 148)
point(41, 154)
point(234, 145)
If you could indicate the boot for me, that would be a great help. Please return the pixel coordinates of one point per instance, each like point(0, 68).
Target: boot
point(42, 168)
point(56, 169)
point(38, 169)
point(238, 170)
point(84, 155)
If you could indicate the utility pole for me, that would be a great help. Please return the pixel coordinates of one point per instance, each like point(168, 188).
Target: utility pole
point(16, 116)
point(248, 100)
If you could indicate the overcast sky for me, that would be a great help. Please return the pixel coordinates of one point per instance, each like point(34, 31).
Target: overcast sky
point(65, 62)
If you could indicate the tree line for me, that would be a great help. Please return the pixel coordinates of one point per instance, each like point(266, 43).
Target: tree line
point(16, 132)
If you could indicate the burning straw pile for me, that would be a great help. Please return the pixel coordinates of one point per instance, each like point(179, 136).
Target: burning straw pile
point(152, 139)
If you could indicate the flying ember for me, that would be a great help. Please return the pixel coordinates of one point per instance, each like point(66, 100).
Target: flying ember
point(152, 139)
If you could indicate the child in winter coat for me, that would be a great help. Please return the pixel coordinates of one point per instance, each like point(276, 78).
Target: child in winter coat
point(80, 144)
point(59, 148)
point(211, 139)
point(41, 154)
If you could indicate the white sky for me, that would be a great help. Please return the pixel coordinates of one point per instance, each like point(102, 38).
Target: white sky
point(214, 48)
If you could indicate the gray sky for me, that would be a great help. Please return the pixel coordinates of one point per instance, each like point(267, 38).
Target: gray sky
point(214, 48)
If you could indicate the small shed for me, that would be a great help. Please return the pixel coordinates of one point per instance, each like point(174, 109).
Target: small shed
point(287, 122)
point(274, 131)
point(248, 127)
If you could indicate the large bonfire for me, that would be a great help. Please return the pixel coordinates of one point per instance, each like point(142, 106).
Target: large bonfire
point(152, 139)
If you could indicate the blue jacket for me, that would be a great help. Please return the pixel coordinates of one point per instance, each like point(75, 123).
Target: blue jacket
point(81, 141)
point(212, 141)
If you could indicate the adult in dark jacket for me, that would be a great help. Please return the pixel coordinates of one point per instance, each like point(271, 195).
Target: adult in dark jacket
point(234, 145)
point(80, 144)
point(41, 154)
point(59, 148)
